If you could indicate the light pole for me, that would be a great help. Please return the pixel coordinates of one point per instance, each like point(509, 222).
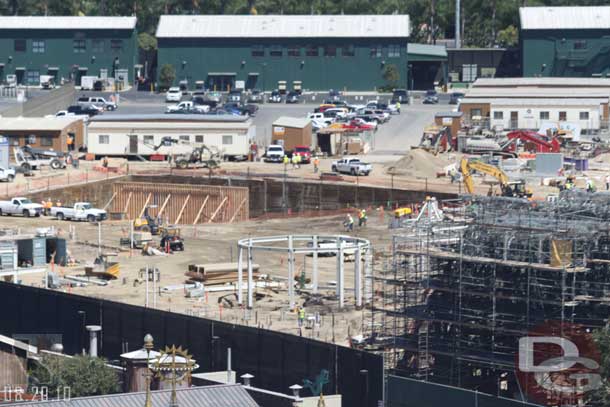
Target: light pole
point(83, 317)
point(148, 345)
point(365, 373)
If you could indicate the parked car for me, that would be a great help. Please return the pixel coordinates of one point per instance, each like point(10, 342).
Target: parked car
point(88, 110)
point(352, 166)
point(235, 96)
point(370, 116)
point(187, 106)
point(336, 112)
point(214, 96)
point(251, 109)
point(431, 97)
point(334, 95)
point(234, 108)
point(202, 101)
point(293, 97)
point(174, 94)
point(7, 174)
point(274, 153)
point(20, 206)
point(400, 95)
point(319, 121)
point(256, 96)
point(80, 211)
point(97, 101)
point(275, 97)
point(359, 124)
point(304, 152)
point(455, 98)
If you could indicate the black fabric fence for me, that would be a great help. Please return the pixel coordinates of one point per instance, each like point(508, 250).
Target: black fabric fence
point(276, 360)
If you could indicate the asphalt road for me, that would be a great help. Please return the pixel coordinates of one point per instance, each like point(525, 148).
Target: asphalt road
point(392, 138)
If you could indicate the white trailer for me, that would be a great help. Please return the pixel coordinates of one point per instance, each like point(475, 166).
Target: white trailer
point(141, 135)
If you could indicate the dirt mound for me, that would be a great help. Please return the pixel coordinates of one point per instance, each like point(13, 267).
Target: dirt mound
point(420, 163)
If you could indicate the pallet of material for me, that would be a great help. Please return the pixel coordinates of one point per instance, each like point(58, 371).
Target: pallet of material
point(219, 273)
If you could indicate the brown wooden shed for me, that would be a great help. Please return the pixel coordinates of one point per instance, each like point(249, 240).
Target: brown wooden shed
point(291, 132)
point(49, 133)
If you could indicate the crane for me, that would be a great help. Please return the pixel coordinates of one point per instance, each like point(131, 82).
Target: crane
point(510, 189)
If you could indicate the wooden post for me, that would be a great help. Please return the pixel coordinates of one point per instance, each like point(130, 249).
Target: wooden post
point(205, 201)
point(145, 204)
point(238, 209)
point(186, 201)
point(127, 203)
point(164, 204)
point(110, 201)
point(218, 209)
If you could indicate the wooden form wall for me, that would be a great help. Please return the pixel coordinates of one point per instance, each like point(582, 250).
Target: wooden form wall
point(181, 204)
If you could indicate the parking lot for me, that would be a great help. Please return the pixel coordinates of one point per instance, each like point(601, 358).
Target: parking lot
point(395, 137)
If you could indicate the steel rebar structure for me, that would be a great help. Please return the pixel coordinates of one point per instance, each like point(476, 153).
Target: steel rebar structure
point(456, 297)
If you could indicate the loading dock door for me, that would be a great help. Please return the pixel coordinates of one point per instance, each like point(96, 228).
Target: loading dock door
point(221, 81)
point(514, 120)
point(133, 144)
point(20, 73)
point(251, 81)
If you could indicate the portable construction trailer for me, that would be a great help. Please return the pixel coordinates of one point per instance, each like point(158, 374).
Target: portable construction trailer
point(142, 135)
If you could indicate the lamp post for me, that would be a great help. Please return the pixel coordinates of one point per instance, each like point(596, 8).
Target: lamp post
point(148, 345)
point(365, 373)
point(81, 334)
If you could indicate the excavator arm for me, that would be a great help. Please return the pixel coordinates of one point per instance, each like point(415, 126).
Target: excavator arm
point(467, 166)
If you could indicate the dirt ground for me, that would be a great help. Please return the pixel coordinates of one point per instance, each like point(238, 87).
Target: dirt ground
point(216, 244)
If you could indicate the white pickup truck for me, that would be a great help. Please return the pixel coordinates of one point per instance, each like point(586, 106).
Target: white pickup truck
point(20, 206)
point(80, 211)
point(187, 106)
point(7, 174)
point(352, 166)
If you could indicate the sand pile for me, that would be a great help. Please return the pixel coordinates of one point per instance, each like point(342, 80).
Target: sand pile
point(420, 163)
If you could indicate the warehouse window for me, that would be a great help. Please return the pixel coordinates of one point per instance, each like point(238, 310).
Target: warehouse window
point(80, 46)
point(258, 51)
point(103, 139)
point(31, 139)
point(348, 51)
point(294, 51)
point(185, 138)
point(311, 51)
point(581, 44)
point(563, 116)
point(97, 46)
point(198, 139)
point(330, 51)
point(116, 45)
point(46, 141)
point(544, 115)
point(38, 46)
point(376, 51)
point(584, 115)
point(498, 115)
point(20, 46)
point(226, 140)
point(394, 51)
point(475, 113)
point(276, 51)
point(150, 140)
point(32, 77)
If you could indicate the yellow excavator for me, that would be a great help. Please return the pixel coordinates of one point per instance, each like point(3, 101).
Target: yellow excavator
point(509, 188)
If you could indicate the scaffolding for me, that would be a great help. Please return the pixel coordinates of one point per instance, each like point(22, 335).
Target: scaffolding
point(456, 295)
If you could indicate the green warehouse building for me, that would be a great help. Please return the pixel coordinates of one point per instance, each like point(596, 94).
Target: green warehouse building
point(565, 41)
point(67, 47)
point(343, 52)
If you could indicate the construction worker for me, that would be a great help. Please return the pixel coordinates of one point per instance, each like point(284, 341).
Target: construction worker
point(295, 161)
point(105, 162)
point(301, 316)
point(316, 164)
point(590, 185)
point(286, 160)
point(398, 106)
point(58, 203)
point(349, 223)
point(607, 182)
point(362, 218)
point(70, 142)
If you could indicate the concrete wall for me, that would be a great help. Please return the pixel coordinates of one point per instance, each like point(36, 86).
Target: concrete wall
point(98, 194)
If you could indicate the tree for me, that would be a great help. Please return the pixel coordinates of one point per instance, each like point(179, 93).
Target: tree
point(82, 375)
point(147, 42)
point(391, 75)
point(508, 37)
point(167, 75)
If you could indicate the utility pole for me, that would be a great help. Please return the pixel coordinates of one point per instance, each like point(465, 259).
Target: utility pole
point(458, 39)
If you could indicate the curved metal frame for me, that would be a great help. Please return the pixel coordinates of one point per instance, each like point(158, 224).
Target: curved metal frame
point(343, 243)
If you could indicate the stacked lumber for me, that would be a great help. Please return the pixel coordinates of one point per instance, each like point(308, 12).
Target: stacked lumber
point(218, 273)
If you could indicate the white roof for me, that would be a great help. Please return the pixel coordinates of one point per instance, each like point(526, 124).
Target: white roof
point(533, 92)
point(283, 26)
point(292, 122)
point(564, 18)
point(140, 354)
point(18, 344)
point(67, 22)
point(37, 123)
point(546, 82)
point(516, 102)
